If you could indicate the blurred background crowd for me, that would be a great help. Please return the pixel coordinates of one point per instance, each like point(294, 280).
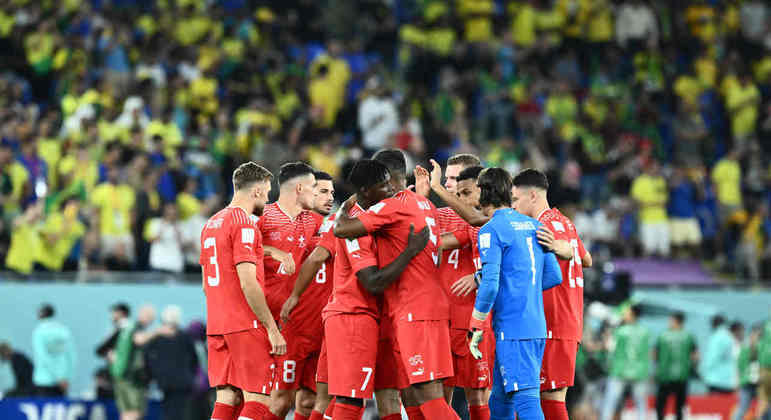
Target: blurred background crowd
point(121, 120)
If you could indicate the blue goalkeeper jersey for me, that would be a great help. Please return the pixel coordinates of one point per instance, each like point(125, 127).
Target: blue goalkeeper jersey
point(515, 271)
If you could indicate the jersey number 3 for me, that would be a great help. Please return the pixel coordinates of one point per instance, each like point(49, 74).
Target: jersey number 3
point(212, 243)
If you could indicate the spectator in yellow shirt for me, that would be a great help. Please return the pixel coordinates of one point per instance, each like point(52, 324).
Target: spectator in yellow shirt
point(649, 190)
point(114, 202)
point(742, 102)
point(727, 177)
point(60, 232)
point(25, 240)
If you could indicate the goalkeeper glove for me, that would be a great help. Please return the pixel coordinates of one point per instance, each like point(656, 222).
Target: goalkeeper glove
point(475, 337)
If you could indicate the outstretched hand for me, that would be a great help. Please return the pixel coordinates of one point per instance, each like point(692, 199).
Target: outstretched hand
point(422, 181)
point(436, 174)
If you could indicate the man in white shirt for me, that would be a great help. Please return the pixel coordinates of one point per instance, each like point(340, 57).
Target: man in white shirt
point(165, 237)
point(378, 118)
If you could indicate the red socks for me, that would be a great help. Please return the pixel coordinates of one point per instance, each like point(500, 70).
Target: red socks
point(438, 409)
point(298, 416)
point(397, 416)
point(479, 412)
point(347, 412)
point(253, 411)
point(414, 413)
point(554, 410)
point(315, 415)
point(223, 412)
point(268, 415)
point(330, 409)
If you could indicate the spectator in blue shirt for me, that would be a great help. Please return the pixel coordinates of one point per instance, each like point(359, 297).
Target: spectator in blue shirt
point(685, 232)
point(54, 355)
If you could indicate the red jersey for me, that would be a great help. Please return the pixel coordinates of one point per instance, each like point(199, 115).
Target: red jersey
point(417, 294)
point(291, 236)
point(351, 256)
point(230, 237)
point(564, 305)
point(306, 316)
point(456, 263)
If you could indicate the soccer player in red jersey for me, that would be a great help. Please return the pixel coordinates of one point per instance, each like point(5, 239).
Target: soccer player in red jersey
point(416, 301)
point(352, 315)
point(564, 304)
point(460, 259)
point(289, 225)
point(309, 296)
point(241, 332)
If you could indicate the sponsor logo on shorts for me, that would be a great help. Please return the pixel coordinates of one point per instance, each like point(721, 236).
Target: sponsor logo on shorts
point(416, 361)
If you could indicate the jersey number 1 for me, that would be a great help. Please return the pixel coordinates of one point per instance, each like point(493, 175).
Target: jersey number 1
point(212, 243)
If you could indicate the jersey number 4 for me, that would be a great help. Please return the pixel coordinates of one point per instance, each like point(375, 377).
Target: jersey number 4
point(212, 243)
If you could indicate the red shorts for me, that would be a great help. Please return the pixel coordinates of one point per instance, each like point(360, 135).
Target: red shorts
point(425, 349)
point(559, 364)
point(389, 373)
point(352, 351)
point(297, 367)
point(241, 359)
point(322, 374)
point(471, 373)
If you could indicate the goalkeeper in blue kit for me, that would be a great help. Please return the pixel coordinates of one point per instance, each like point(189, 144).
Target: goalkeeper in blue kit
point(515, 271)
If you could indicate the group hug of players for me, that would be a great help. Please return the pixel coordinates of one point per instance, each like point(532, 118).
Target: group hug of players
point(391, 296)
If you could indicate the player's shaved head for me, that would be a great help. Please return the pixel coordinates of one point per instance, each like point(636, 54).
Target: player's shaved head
point(249, 173)
point(495, 188)
point(291, 171)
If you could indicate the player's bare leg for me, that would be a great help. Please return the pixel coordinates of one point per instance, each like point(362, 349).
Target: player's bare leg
point(323, 399)
point(411, 404)
point(553, 404)
point(280, 402)
point(305, 400)
point(389, 406)
point(228, 398)
point(430, 396)
point(477, 403)
point(448, 392)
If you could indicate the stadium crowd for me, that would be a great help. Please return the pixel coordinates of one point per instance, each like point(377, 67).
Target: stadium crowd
point(121, 121)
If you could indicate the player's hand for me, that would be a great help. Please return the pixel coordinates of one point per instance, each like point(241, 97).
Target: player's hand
point(287, 262)
point(346, 207)
point(422, 181)
point(417, 242)
point(545, 237)
point(464, 286)
point(475, 337)
point(436, 174)
point(288, 307)
point(277, 342)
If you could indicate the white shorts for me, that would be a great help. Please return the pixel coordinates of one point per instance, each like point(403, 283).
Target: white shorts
point(685, 231)
point(655, 238)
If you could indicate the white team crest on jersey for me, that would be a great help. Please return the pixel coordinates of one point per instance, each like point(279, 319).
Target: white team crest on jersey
point(377, 207)
point(558, 226)
point(484, 240)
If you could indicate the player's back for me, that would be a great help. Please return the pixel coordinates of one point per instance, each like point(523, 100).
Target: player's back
point(518, 309)
point(229, 237)
point(417, 294)
point(564, 304)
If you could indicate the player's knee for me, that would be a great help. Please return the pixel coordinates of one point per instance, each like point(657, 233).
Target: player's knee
point(428, 391)
point(477, 396)
point(228, 395)
point(501, 408)
point(388, 402)
point(280, 403)
point(527, 403)
point(306, 401)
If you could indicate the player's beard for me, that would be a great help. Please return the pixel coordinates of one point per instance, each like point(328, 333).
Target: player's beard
point(258, 209)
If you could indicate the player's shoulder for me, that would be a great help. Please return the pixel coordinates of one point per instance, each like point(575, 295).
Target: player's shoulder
point(327, 224)
point(557, 221)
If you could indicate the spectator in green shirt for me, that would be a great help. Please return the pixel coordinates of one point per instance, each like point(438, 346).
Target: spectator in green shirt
point(675, 355)
point(629, 365)
point(749, 372)
point(764, 382)
point(54, 355)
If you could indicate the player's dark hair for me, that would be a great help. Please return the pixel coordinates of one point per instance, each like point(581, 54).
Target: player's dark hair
point(471, 172)
point(47, 311)
point(394, 160)
point(636, 310)
point(366, 173)
point(531, 178)
point(121, 307)
point(495, 186)
point(679, 316)
point(292, 170)
point(736, 326)
point(464, 159)
point(322, 176)
point(249, 173)
point(717, 321)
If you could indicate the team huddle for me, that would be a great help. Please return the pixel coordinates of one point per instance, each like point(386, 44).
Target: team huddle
point(391, 298)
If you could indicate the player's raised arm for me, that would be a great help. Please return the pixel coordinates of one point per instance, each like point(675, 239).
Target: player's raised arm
point(308, 271)
point(471, 215)
point(376, 280)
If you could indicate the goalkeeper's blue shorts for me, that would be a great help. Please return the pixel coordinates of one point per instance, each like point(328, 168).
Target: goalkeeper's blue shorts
point(517, 365)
